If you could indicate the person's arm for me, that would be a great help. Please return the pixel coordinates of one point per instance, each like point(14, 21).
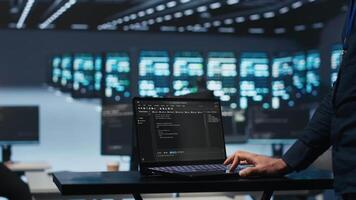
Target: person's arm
point(314, 141)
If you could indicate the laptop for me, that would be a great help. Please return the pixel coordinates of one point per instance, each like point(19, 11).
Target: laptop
point(180, 137)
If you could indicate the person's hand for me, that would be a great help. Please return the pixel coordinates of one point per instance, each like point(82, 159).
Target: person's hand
point(263, 165)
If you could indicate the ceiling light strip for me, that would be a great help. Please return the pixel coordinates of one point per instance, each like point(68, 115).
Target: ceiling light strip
point(267, 14)
point(57, 14)
point(24, 14)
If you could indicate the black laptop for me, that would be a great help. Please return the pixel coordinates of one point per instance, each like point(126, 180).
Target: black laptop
point(180, 137)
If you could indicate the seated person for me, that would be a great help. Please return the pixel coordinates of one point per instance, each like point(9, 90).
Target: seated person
point(11, 185)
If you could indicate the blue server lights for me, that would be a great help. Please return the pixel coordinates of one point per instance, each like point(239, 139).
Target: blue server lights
point(56, 71)
point(187, 67)
point(83, 75)
point(66, 73)
point(98, 74)
point(313, 74)
point(239, 81)
point(117, 81)
point(222, 77)
point(254, 80)
point(154, 74)
point(282, 82)
point(299, 75)
point(336, 58)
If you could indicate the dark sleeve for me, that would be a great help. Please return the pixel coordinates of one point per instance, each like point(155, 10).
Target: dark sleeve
point(314, 141)
point(11, 185)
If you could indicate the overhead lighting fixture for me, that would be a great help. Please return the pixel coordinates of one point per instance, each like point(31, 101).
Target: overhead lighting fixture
point(228, 21)
point(141, 14)
point(159, 19)
point(217, 23)
point(168, 17)
point(283, 10)
point(178, 14)
point(240, 19)
point(318, 25)
point(102, 27)
point(215, 5)
point(57, 14)
point(300, 28)
point(188, 12)
point(197, 26)
point(151, 21)
point(226, 30)
point(232, 2)
point(107, 26)
point(297, 4)
point(150, 11)
point(269, 15)
point(24, 14)
point(160, 7)
point(119, 21)
point(171, 4)
point(255, 17)
point(256, 30)
point(280, 30)
point(133, 16)
point(126, 18)
point(199, 29)
point(184, 1)
point(202, 9)
point(207, 24)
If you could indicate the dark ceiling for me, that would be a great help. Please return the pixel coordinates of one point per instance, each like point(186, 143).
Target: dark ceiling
point(212, 16)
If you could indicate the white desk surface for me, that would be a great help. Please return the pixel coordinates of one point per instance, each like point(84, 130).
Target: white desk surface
point(28, 166)
point(41, 183)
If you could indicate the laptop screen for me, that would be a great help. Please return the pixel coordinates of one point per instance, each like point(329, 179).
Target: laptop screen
point(179, 130)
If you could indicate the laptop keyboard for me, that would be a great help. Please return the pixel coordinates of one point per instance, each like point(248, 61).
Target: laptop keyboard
point(196, 168)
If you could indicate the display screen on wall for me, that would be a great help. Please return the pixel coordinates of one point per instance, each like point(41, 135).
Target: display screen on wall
point(313, 84)
point(83, 76)
point(116, 129)
point(117, 81)
point(222, 77)
point(336, 58)
point(299, 75)
point(66, 73)
point(187, 67)
point(98, 75)
point(282, 82)
point(254, 80)
point(56, 71)
point(154, 74)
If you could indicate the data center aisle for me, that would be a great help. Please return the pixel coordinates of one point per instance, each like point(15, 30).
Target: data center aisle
point(70, 131)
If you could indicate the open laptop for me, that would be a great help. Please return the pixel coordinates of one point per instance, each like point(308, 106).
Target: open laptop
point(180, 137)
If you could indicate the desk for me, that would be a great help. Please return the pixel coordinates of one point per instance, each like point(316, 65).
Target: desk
point(28, 166)
point(94, 183)
point(41, 183)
